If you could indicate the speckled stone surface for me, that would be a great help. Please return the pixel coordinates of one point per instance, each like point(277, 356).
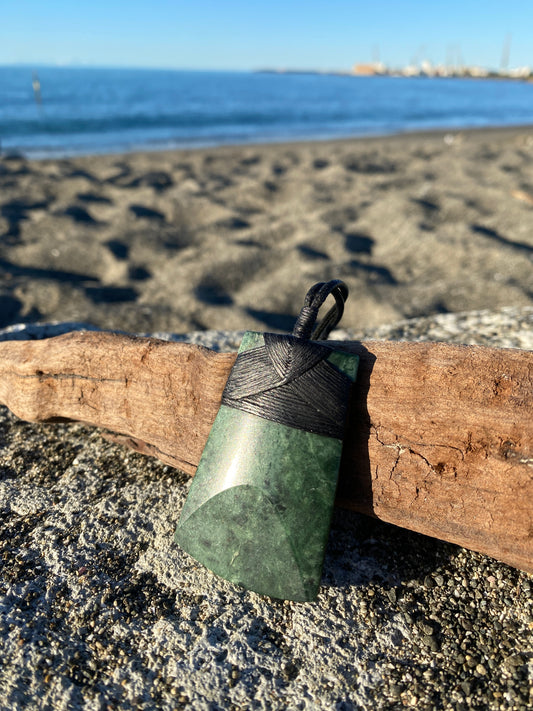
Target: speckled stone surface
point(100, 609)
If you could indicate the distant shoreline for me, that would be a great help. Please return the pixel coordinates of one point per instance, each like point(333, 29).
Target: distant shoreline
point(401, 74)
point(497, 131)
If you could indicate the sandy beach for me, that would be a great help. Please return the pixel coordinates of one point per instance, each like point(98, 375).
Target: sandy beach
point(232, 237)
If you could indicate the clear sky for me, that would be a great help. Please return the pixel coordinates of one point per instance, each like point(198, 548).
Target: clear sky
point(250, 34)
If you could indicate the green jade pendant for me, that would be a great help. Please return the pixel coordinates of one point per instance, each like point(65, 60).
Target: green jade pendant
point(259, 508)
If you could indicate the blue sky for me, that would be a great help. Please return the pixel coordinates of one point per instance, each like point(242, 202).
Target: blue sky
point(243, 34)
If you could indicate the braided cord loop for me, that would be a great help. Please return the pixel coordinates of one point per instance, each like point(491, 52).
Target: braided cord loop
point(315, 297)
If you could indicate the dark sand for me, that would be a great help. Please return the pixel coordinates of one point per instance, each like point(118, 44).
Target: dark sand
point(232, 237)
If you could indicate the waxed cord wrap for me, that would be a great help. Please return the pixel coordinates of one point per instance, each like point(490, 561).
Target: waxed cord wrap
point(289, 380)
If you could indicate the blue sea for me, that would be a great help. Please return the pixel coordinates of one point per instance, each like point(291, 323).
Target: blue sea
point(82, 110)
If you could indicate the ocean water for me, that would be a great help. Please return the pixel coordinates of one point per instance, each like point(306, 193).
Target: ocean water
point(84, 110)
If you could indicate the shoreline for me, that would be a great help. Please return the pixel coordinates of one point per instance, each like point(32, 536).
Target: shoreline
point(306, 141)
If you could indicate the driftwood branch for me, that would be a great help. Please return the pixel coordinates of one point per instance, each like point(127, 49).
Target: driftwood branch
point(440, 437)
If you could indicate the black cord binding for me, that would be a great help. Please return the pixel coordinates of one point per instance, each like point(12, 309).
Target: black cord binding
point(290, 380)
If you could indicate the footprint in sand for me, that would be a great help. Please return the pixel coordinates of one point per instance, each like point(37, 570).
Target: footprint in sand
point(138, 273)
point(80, 215)
point(123, 178)
point(141, 211)
point(370, 164)
point(430, 211)
point(481, 207)
point(79, 173)
point(118, 249)
point(249, 243)
point(337, 218)
point(376, 273)
point(217, 181)
point(233, 223)
point(158, 180)
point(359, 243)
point(486, 154)
point(16, 211)
point(94, 198)
point(110, 294)
point(507, 168)
point(210, 291)
point(292, 158)
point(270, 186)
point(278, 169)
point(428, 205)
point(19, 166)
point(311, 252)
point(227, 277)
point(251, 160)
point(320, 164)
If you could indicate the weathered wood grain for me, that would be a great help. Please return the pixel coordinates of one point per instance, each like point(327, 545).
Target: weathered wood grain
point(439, 441)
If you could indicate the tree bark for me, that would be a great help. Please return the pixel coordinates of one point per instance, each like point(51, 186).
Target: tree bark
point(439, 437)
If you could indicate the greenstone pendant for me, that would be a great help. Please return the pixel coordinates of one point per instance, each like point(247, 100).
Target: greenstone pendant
point(259, 508)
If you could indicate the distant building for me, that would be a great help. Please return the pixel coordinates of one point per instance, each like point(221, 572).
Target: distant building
point(478, 72)
point(519, 73)
point(410, 71)
point(426, 68)
point(369, 70)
